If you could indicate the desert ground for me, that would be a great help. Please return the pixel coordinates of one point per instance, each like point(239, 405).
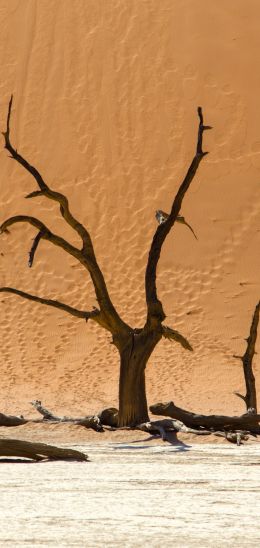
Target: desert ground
point(143, 496)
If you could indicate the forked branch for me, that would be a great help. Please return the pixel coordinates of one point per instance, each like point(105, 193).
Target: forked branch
point(155, 312)
point(86, 256)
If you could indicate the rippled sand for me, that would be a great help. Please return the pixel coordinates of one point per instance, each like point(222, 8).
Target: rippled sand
point(135, 495)
point(105, 99)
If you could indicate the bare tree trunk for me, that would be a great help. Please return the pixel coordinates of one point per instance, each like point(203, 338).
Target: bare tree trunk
point(134, 356)
point(132, 395)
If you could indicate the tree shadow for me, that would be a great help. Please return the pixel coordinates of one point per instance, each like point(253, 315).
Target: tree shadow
point(172, 439)
point(18, 461)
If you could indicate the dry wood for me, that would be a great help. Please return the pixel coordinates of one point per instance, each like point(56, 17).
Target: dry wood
point(33, 249)
point(109, 416)
point(247, 359)
point(155, 312)
point(168, 425)
point(11, 420)
point(91, 421)
point(56, 304)
point(38, 451)
point(108, 316)
point(173, 335)
point(248, 422)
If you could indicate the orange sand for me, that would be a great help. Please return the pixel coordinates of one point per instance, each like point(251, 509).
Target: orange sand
point(105, 98)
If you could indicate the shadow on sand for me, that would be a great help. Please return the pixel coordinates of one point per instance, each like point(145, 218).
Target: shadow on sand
point(172, 439)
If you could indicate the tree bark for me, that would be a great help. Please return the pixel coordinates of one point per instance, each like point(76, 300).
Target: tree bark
point(134, 355)
point(250, 398)
point(90, 421)
point(38, 451)
point(132, 395)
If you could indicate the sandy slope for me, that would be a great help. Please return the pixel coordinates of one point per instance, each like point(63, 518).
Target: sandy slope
point(105, 97)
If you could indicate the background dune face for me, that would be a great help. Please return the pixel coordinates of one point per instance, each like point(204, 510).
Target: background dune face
point(105, 98)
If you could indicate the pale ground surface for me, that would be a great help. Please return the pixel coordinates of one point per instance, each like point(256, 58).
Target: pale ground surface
point(134, 495)
point(105, 98)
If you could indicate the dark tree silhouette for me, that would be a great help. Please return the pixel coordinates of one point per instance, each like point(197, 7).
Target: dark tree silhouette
point(135, 346)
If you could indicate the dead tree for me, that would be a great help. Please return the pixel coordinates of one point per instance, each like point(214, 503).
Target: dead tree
point(135, 346)
point(249, 422)
point(247, 359)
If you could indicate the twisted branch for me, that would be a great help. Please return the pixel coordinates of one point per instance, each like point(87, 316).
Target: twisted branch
point(155, 312)
point(44, 189)
point(46, 234)
point(86, 256)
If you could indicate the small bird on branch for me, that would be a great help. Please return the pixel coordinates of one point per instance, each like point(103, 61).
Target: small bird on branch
point(162, 217)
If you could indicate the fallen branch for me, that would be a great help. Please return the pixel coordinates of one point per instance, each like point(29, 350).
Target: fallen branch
point(91, 421)
point(38, 451)
point(190, 423)
point(247, 422)
point(170, 425)
point(109, 417)
point(11, 420)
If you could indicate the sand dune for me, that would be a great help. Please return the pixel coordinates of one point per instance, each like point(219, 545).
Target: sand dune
point(105, 98)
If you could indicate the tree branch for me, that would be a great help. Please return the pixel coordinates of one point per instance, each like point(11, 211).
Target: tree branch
point(155, 312)
point(38, 451)
point(172, 334)
point(107, 318)
point(111, 319)
point(46, 234)
point(90, 421)
point(249, 422)
point(35, 244)
point(44, 188)
point(250, 398)
point(93, 315)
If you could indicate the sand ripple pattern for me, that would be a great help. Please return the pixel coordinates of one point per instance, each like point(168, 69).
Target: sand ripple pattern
point(105, 107)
